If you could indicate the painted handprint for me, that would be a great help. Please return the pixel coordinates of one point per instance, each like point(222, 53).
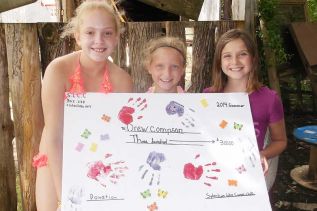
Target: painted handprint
point(193, 172)
point(104, 173)
point(153, 167)
point(74, 199)
point(248, 147)
point(127, 112)
point(175, 108)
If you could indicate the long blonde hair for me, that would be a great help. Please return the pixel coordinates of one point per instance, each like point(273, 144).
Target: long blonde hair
point(219, 79)
point(74, 25)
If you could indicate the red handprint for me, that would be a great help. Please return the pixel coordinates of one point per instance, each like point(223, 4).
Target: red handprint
point(126, 113)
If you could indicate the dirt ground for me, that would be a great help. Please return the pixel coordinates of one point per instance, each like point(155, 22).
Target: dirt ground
point(287, 194)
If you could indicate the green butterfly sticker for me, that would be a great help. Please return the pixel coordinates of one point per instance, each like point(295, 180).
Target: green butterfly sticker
point(86, 133)
point(146, 194)
point(237, 126)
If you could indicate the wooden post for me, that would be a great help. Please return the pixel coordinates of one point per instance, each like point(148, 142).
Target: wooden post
point(250, 15)
point(8, 197)
point(139, 34)
point(202, 58)
point(25, 84)
point(227, 11)
point(68, 7)
point(59, 11)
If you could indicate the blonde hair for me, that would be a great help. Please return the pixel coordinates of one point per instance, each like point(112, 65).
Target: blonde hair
point(219, 79)
point(171, 42)
point(74, 24)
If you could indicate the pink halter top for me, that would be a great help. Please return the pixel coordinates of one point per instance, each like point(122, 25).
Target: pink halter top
point(77, 84)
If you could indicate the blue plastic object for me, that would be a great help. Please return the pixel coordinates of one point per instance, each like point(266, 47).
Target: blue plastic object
point(306, 133)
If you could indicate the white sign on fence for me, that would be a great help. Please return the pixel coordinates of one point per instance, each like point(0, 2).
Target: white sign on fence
point(189, 152)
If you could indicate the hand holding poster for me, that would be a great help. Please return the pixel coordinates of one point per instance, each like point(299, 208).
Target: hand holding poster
point(189, 152)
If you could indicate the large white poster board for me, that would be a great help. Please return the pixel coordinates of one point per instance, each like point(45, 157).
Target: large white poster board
point(167, 152)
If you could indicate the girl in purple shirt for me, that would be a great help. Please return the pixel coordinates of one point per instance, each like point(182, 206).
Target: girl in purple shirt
point(235, 70)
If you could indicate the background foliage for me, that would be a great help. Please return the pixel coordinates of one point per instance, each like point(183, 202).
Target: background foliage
point(312, 9)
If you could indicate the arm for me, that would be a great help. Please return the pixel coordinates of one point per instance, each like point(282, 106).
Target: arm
point(278, 140)
point(53, 108)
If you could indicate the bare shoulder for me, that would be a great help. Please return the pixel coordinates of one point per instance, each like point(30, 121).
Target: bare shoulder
point(121, 80)
point(62, 65)
point(61, 68)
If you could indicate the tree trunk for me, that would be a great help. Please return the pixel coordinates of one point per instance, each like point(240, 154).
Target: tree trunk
point(51, 44)
point(119, 55)
point(122, 53)
point(8, 196)
point(224, 26)
point(270, 62)
point(202, 55)
point(177, 29)
point(139, 34)
point(25, 84)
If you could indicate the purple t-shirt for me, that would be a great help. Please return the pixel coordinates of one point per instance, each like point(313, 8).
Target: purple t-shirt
point(266, 108)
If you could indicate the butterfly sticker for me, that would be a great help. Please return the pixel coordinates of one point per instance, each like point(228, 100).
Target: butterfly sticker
point(79, 147)
point(241, 169)
point(145, 194)
point(232, 182)
point(106, 118)
point(237, 126)
point(223, 124)
point(152, 207)
point(93, 147)
point(204, 103)
point(86, 133)
point(162, 193)
point(104, 137)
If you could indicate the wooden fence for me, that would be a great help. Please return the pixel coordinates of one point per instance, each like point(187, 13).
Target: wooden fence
point(26, 50)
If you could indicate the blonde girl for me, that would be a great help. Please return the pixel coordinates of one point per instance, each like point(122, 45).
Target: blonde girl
point(165, 60)
point(96, 30)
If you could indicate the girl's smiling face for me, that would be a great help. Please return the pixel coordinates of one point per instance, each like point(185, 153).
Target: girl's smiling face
point(97, 35)
point(236, 61)
point(166, 68)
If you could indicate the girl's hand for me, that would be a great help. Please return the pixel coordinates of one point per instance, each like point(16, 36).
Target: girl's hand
point(265, 165)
